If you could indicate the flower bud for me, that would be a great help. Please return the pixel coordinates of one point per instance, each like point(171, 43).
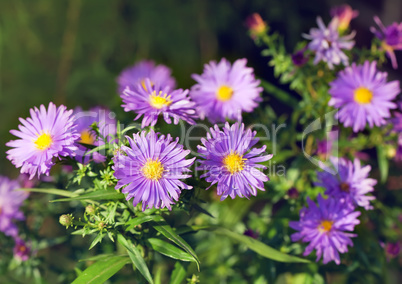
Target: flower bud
point(66, 220)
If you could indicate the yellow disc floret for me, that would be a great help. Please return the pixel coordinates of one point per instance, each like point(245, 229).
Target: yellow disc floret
point(224, 93)
point(233, 162)
point(43, 142)
point(87, 137)
point(159, 101)
point(153, 170)
point(363, 95)
point(325, 226)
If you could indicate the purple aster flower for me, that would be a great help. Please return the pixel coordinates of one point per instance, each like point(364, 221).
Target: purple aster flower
point(152, 100)
point(328, 45)
point(350, 184)
point(231, 162)
point(363, 95)
point(344, 13)
point(224, 91)
point(47, 134)
point(10, 203)
point(107, 129)
point(150, 170)
point(22, 250)
point(391, 38)
point(326, 228)
point(136, 74)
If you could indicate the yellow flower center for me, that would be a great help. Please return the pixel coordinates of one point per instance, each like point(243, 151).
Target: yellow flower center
point(153, 169)
point(87, 137)
point(224, 93)
point(43, 142)
point(159, 101)
point(363, 95)
point(234, 163)
point(325, 226)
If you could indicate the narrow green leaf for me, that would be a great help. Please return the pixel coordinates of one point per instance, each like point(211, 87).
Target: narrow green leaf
point(96, 149)
point(170, 250)
point(383, 163)
point(136, 258)
point(51, 191)
point(97, 239)
point(178, 274)
point(109, 194)
point(161, 226)
point(260, 248)
point(138, 221)
point(279, 94)
point(102, 270)
point(164, 228)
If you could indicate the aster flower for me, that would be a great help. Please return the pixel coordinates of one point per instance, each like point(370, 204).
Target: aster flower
point(391, 38)
point(47, 134)
point(151, 169)
point(136, 74)
point(224, 91)
point(363, 96)
point(344, 13)
point(231, 161)
point(350, 184)
point(152, 100)
point(22, 250)
point(107, 129)
point(328, 44)
point(326, 228)
point(10, 203)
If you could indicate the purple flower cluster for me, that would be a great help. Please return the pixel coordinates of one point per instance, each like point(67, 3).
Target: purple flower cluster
point(11, 200)
point(328, 226)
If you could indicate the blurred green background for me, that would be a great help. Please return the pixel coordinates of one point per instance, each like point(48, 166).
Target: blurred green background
point(70, 52)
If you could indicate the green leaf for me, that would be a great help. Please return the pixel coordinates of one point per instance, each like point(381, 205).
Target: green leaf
point(96, 149)
point(102, 270)
point(178, 274)
point(138, 221)
point(161, 226)
point(260, 248)
point(136, 258)
point(51, 191)
point(97, 239)
point(279, 94)
point(109, 194)
point(170, 250)
point(383, 163)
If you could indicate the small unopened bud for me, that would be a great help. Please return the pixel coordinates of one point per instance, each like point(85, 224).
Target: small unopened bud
point(256, 25)
point(66, 220)
point(90, 210)
point(101, 225)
